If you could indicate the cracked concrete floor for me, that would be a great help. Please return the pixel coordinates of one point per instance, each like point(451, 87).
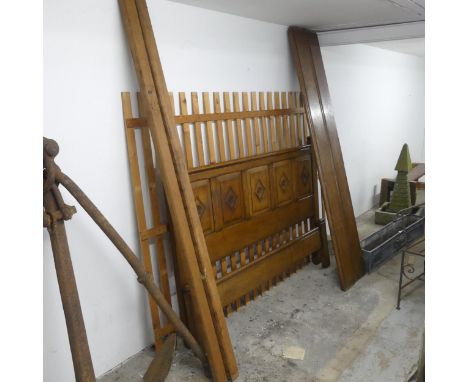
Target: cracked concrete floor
point(352, 336)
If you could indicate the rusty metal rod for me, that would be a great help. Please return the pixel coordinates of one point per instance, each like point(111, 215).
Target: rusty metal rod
point(81, 356)
point(144, 278)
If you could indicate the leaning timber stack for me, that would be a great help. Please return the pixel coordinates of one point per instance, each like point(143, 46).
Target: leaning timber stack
point(193, 259)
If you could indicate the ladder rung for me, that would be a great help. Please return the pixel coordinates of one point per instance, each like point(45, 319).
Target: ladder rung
point(153, 232)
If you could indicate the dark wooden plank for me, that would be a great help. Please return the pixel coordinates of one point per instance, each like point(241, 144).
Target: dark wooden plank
point(327, 151)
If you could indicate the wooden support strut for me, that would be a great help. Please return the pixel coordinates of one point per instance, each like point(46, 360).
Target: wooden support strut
point(189, 236)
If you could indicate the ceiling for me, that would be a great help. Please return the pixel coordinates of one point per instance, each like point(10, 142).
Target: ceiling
point(414, 46)
point(321, 15)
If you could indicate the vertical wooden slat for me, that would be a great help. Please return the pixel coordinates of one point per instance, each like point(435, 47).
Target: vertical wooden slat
point(186, 131)
point(272, 124)
point(140, 212)
point(224, 272)
point(198, 130)
point(234, 266)
point(259, 248)
point(209, 129)
point(240, 138)
point(305, 127)
point(171, 98)
point(229, 127)
point(219, 128)
point(233, 262)
point(223, 267)
point(299, 121)
point(256, 125)
point(292, 120)
point(272, 243)
point(244, 254)
point(286, 128)
point(248, 124)
point(267, 245)
point(251, 253)
point(264, 124)
point(278, 239)
point(278, 124)
point(261, 288)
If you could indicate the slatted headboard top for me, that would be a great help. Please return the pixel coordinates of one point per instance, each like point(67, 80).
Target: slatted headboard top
point(237, 125)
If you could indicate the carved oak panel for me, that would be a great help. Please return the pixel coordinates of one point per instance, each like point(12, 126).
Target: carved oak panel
point(202, 193)
point(283, 182)
point(303, 174)
point(230, 199)
point(257, 190)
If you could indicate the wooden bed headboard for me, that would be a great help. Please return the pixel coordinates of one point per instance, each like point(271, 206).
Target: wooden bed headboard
point(255, 184)
point(255, 187)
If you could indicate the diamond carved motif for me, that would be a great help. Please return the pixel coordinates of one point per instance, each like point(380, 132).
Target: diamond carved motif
point(231, 198)
point(305, 175)
point(200, 207)
point(259, 190)
point(284, 182)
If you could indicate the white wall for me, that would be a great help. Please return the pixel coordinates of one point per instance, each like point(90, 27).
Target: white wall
point(378, 98)
point(87, 64)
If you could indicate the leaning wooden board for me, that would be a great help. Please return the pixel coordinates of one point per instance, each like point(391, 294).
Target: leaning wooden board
point(214, 335)
point(188, 198)
point(313, 82)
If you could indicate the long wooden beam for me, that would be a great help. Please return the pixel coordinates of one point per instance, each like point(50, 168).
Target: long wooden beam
point(188, 198)
point(319, 113)
point(165, 160)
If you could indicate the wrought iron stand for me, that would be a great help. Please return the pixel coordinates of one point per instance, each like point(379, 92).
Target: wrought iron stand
point(407, 270)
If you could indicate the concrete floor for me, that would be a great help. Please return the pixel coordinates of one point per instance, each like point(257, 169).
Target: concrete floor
point(352, 336)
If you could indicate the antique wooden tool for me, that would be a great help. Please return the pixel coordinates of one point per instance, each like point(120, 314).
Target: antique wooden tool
point(55, 212)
